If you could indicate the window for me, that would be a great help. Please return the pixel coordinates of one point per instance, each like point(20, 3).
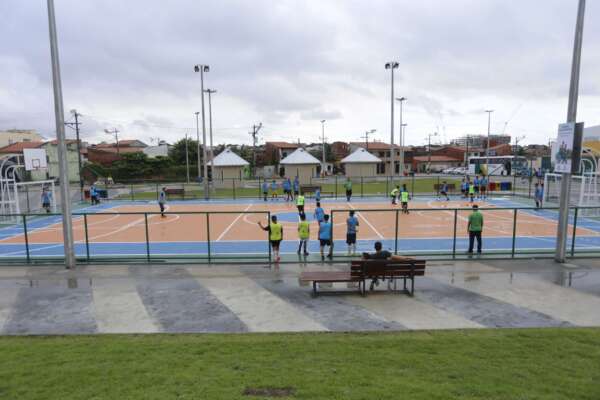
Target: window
point(381, 154)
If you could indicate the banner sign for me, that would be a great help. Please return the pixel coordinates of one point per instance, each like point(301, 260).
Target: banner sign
point(562, 153)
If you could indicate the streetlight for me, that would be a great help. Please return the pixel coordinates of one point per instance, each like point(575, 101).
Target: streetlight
point(197, 113)
point(487, 150)
point(366, 137)
point(429, 147)
point(323, 140)
point(401, 100)
point(202, 69)
point(392, 65)
point(210, 92)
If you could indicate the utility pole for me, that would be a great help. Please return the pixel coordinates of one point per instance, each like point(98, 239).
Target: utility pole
point(65, 204)
point(429, 148)
point(392, 65)
point(187, 160)
point(75, 125)
point(210, 92)
point(402, 140)
point(487, 150)
point(467, 157)
point(115, 133)
point(565, 184)
point(366, 137)
point(323, 168)
point(202, 69)
point(254, 133)
point(401, 100)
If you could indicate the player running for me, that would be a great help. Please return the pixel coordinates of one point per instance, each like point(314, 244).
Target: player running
point(275, 230)
point(444, 191)
point(394, 194)
point(404, 199)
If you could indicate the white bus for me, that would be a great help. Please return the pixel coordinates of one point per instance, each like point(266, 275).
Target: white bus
point(497, 165)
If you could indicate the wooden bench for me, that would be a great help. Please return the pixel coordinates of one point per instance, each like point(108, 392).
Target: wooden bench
point(451, 187)
point(361, 270)
point(175, 191)
point(304, 189)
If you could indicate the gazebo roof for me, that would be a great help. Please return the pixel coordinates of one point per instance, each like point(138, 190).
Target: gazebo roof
point(228, 158)
point(361, 156)
point(300, 157)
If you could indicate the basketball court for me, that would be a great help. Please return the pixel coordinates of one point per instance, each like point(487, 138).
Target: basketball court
point(229, 229)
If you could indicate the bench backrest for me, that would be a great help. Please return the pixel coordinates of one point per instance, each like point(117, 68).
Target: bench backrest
point(390, 267)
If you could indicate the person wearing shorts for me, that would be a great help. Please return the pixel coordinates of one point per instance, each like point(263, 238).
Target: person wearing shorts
point(325, 238)
point(296, 185)
point(300, 203)
point(483, 184)
point(444, 191)
point(287, 189)
point(476, 186)
point(273, 190)
point(471, 190)
point(351, 228)
point(394, 195)
point(303, 234)
point(275, 230)
point(319, 213)
point(47, 199)
point(265, 190)
point(404, 199)
point(539, 195)
point(463, 188)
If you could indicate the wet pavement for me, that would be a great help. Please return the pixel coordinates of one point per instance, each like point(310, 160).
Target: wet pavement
point(255, 298)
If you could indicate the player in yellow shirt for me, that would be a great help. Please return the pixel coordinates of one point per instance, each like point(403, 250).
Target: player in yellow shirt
point(275, 230)
point(303, 233)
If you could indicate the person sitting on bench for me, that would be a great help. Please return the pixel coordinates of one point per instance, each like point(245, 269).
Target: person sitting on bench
point(378, 255)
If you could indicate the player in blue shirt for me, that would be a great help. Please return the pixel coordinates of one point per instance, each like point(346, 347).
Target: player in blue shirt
point(47, 199)
point(319, 213)
point(287, 189)
point(539, 195)
point(318, 195)
point(273, 189)
point(476, 185)
point(351, 228)
point(296, 186)
point(325, 231)
point(265, 190)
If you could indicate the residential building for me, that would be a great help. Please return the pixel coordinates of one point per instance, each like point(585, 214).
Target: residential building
point(481, 140)
point(102, 156)
point(361, 163)
point(277, 151)
point(160, 150)
point(123, 147)
point(72, 159)
point(340, 150)
point(11, 136)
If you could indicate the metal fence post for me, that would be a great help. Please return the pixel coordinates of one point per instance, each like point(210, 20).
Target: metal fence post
point(268, 238)
point(514, 235)
point(574, 232)
point(157, 192)
point(27, 196)
point(396, 234)
point(208, 235)
point(454, 234)
point(26, 238)
point(331, 234)
point(412, 190)
point(132, 194)
point(259, 188)
point(387, 186)
point(147, 237)
point(87, 242)
point(336, 184)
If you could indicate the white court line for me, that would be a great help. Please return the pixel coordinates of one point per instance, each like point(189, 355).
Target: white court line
point(367, 222)
point(233, 223)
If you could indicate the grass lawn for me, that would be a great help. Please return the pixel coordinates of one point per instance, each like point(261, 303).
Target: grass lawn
point(474, 364)
point(420, 186)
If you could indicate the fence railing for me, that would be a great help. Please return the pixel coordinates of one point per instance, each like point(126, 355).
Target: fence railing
point(331, 186)
point(221, 237)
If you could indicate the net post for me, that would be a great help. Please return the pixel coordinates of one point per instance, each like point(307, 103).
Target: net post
point(514, 233)
point(454, 234)
point(147, 237)
point(396, 234)
point(268, 241)
point(574, 231)
point(208, 234)
point(24, 216)
point(87, 241)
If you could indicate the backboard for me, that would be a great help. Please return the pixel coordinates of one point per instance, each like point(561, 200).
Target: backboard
point(35, 159)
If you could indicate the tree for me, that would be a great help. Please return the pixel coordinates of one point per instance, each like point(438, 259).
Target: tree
point(177, 152)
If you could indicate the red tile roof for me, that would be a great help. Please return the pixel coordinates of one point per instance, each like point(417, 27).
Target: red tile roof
point(55, 141)
point(375, 145)
point(284, 145)
point(19, 146)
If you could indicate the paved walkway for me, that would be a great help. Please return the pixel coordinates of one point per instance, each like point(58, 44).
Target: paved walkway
point(229, 298)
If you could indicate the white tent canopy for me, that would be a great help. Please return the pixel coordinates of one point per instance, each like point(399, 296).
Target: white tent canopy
point(228, 158)
point(300, 157)
point(361, 155)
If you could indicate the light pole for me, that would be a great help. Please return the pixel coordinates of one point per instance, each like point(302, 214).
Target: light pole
point(65, 204)
point(401, 100)
point(323, 141)
point(565, 184)
point(392, 65)
point(402, 138)
point(366, 137)
point(187, 160)
point(487, 150)
point(198, 145)
point(210, 92)
point(429, 148)
point(202, 69)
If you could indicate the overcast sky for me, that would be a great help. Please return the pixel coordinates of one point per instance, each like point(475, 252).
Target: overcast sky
point(288, 64)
